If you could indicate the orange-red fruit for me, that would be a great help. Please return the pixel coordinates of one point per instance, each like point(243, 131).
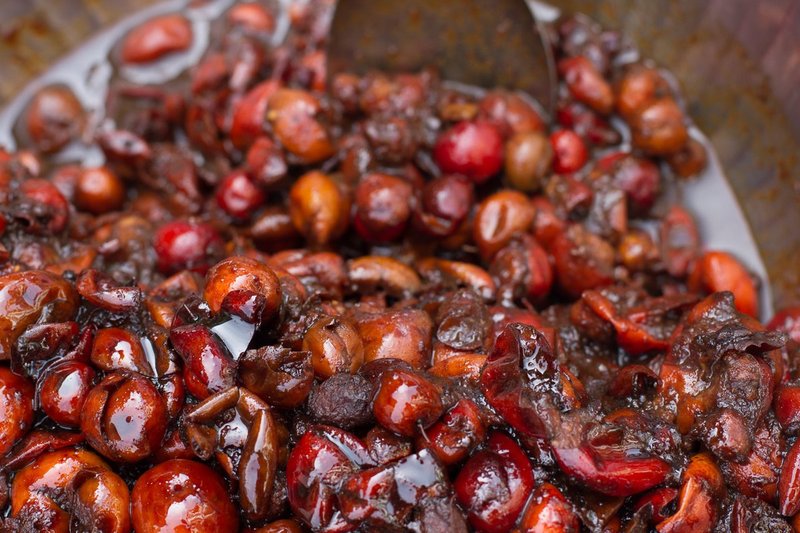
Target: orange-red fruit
point(406, 402)
point(720, 271)
point(156, 38)
point(182, 496)
point(16, 408)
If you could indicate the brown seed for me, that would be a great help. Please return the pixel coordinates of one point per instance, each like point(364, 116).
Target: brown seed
point(292, 113)
point(335, 346)
point(659, 128)
point(319, 208)
point(501, 216)
point(529, 156)
point(639, 86)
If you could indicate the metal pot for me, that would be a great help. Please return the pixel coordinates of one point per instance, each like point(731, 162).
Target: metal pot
point(738, 62)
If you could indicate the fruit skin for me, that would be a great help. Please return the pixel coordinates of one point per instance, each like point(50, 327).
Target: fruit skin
point(63, 392)
point(124, 417)
point(49, 474)
point(317, 465)
point(24, 297)
point(570, 153)
point(16, 408)
point(156, 38)
point(182, 496)
point(494, 485)
point(238, 196)
point(186, 245)
point(473, 149)
point(549, 512)
point(719, 271)
point(240, 274)
point(405, 402)
point(318, 207)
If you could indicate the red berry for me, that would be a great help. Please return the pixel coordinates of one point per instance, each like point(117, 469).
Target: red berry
point(382, 207)
point(51, 213)
point(494, 485)
point(456, 434)
point(406, 401)
point(474, 149)
point(238, 196)
point(64, 390)
point(207, 368)
point(639, 178)
point(187, 245)
point(317, 466)
point(570, 152)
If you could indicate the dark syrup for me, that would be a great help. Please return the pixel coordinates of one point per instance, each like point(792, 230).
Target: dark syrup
point(88, 71)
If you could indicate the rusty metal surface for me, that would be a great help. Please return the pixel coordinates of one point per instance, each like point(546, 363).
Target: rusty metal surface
point(34, 33)
point(469, 41)
point(738, 62)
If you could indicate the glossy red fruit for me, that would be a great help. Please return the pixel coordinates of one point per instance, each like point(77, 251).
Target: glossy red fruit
point(615, 470)
point(207, 368)
point(156, 38)
point(100, 497)
point(458, 432)
point(786, 405)
point(124, 417)
point(524, 382)
point(382, 207)
point(406, 402)
point(25, 296)
point(570, 153)
point(182, 496)
point(587, 84)
point(187, 245)
point(494, 485)
point(33, 493)
point(238, 196)
point(699, 498)
point(99, 191)
point(51, 211)
point(720, 271)
point(473, 149)
point(16, 408)
point(54, 117)
point(789, 484)
point(249, 114)
point(499, 218)
point(640, 178)
point(443, 205)
point(317, 466)
point(658, 500)
point(549, 511)
point(583, 260)
point(406, 483)
point(244, 287)
point(63, 391)
point(119, 349)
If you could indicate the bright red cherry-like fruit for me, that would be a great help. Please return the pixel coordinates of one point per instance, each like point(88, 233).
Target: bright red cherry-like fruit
point(474, 149)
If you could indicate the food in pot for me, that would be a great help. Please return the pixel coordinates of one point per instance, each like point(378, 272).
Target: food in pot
point(249, 298)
